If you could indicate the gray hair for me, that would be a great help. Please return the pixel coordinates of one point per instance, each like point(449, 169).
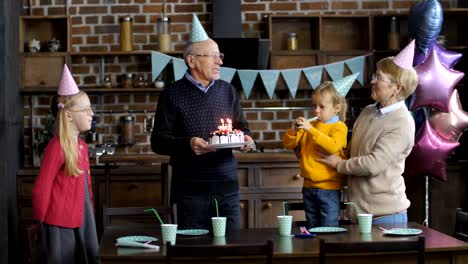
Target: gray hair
point(187, 51)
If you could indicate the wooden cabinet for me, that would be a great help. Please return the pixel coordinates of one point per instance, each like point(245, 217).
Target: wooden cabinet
point(42, 69)
point(272, 178)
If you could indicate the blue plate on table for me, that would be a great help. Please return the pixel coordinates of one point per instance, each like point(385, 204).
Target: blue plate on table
point(137, 241)
point(192, 232)
point(403, 231)
point(327, 229)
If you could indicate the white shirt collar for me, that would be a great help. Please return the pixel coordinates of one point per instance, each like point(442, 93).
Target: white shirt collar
point(390, 108)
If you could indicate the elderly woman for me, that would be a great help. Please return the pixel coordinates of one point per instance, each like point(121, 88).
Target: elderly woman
point(383, 136)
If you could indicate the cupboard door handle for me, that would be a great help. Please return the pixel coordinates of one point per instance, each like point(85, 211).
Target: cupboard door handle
point(268, 206)
point(296, 177)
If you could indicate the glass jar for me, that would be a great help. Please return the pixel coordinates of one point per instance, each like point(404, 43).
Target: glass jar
point(292, 41)
point(164, 34)
point(126, 35)
point(128, 137)
point(394, 35)
point(127, 80)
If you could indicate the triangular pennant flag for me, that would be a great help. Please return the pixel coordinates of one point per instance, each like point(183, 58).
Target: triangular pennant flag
point(291, 77)
point(343, 85)
point(356, 65)
point(270, 78)
point(226, 73)
point(197, 33)
point(179, 68)
point(159, 61)
point(313, 75)
point(247, 78)
point(335, 70)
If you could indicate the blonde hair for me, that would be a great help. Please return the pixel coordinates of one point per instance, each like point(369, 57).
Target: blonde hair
point(67, 139)
point(407, 78)
point(327, 89)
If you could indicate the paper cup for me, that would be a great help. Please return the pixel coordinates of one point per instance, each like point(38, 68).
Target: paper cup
point(219, 240)
point(365, 223)
point(284, 224)
point(219, 226)
point(169, 233)
point(285, 244)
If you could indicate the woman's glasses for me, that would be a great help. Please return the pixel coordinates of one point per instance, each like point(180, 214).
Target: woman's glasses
point(378, 77)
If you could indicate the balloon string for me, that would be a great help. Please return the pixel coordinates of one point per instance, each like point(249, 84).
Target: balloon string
point(426, 202)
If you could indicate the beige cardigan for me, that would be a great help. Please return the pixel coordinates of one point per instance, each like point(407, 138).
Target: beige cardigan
point(378, 149)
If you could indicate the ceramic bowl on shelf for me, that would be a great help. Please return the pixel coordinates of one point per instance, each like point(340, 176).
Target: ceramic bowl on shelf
point(53, 45)
point(34, 45)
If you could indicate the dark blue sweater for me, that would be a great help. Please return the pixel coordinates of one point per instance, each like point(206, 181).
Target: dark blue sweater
point(183, 112)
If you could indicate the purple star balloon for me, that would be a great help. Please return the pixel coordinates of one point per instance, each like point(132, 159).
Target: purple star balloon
point(429, 155)
point(451, 125)
point(436, 84)
point(447, 57)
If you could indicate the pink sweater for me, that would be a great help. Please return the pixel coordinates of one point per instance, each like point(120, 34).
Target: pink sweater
point(58, 199)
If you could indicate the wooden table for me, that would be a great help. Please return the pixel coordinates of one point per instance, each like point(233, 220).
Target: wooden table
point(440, 248)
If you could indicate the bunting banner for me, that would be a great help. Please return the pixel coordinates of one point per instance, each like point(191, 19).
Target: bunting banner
point(247, 78)
point(291, 77)
point(335, 70)
point(226, 73)
point(356, 65)
point(313, 75)
point(179, 68)
point(269, 78)
point(159, 61)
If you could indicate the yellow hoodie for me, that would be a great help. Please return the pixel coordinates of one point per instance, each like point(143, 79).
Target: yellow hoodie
point(332, 139)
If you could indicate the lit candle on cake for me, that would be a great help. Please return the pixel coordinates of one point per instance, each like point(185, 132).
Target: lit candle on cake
point(229, 124)
point(221, 127)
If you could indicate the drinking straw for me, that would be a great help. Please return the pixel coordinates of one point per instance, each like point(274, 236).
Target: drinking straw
point(284, 207)
point(155, 213)
point(355, 206)
point(216, 206)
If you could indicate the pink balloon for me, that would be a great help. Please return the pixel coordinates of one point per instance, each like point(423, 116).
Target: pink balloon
point(436, 84)
point(429, 155)
point(451, 125)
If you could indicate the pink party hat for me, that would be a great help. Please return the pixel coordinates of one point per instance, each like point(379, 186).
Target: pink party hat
point(67, 85)
point(404, 59)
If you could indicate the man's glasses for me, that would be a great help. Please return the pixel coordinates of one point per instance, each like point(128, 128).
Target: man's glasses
point(212, 56)
point(87, 110)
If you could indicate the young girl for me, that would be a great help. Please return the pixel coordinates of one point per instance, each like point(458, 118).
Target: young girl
point(322, 185)
point(62, 195)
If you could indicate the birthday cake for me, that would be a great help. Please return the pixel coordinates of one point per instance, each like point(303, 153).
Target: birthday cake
point(225, 134)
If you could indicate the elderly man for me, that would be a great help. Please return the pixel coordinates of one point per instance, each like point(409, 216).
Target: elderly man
point(186, 113)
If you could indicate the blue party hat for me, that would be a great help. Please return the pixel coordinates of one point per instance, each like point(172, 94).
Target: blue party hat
point(344, 84)
point(198, 32)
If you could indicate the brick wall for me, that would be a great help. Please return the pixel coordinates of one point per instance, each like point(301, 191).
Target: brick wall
point(95, 27)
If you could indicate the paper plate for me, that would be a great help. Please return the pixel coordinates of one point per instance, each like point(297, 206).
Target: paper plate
point(403, 231)
point(137, 241)
point(192, 232)
point(327, 229)
point(229, 145)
